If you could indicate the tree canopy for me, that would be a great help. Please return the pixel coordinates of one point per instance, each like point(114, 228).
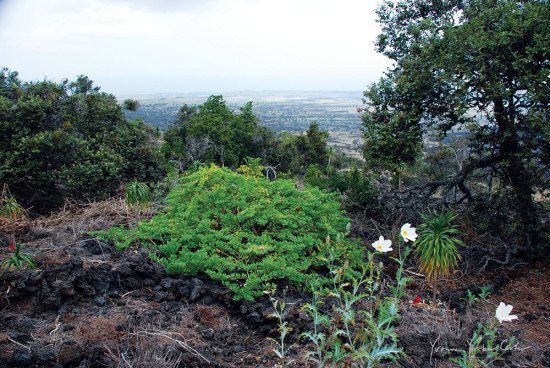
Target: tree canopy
point(481, 66)
point(213, 133)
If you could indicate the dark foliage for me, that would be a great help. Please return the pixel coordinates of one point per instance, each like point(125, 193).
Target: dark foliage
point(68, 140)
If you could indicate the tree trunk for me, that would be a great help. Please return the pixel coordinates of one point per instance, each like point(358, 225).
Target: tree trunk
point(518, 176)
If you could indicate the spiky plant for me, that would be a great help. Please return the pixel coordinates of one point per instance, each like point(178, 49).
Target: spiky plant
point(11, 210)
point(137, 197)
point(436, 247)
point(17, 261)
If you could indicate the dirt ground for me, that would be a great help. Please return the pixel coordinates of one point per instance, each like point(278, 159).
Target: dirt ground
point(89, 305)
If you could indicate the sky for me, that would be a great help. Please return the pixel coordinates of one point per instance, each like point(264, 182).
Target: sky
point(178, 46)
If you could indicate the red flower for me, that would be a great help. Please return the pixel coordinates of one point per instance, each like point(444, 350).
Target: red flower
point(12, 245)
point(416, 300)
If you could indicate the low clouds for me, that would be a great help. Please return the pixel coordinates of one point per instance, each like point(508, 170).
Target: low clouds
point(164, 6)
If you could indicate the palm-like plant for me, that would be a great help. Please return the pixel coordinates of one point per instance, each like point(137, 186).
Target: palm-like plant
point(436, 247)
point(137, 196)
point(11, 210)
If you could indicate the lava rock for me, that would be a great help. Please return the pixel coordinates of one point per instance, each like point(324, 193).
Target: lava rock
point(166, 283)
point(207, 333)
point(21, 357)
point(254, 318)
point(70, 353)
point(238, 348)
point(85, 288)
point(96, 246)
point(99, 301)
point(197, 290)
point(21, 337)
point(41, 354)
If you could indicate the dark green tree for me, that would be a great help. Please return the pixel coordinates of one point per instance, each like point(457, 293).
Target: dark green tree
point(304, 150)
point(476, 65)
point(130, 105)
point(214, 133)
point(68, 140)
point(317, 141)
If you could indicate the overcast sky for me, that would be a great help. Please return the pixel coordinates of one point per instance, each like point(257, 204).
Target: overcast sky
point(142, 46)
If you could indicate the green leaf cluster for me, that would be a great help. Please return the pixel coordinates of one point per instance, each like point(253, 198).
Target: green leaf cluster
point(10, 209)
point(483, 348)
point(245, 231)
point(351, 336)
point(17, 260)
point(436, 246)
point(137, 196)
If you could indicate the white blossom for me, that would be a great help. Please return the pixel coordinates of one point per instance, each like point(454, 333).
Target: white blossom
point(382, 245)
point(503, 313)
point(408, 232)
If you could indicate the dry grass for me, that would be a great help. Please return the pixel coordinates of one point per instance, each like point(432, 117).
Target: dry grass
point(446, 324)
point(143, 358)
point(78, 218)
point(69, 223)
point(96, 329)
point(214, 316)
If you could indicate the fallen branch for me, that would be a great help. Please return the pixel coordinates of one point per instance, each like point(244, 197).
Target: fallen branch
point(18, 343)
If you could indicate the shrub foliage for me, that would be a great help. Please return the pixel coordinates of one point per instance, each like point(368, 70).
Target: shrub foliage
point(68, 140)
point(246, 231)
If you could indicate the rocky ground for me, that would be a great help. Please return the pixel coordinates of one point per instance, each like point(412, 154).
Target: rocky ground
point(89, 305)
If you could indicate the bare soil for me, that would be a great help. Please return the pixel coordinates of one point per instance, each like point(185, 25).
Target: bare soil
point(89, 305)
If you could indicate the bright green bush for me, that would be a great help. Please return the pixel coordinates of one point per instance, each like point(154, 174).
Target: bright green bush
point(245, 231)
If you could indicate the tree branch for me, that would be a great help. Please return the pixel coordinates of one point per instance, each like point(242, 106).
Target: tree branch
point(458, 179)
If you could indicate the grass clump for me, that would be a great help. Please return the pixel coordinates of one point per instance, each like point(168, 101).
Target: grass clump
point(245, 231)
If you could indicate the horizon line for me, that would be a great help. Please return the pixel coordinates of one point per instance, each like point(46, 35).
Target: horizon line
point(237, 91)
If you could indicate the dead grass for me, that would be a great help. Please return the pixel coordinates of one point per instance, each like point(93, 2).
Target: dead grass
point(214, 316)
point(143, 355)
point(96, 329)
point(78, 218)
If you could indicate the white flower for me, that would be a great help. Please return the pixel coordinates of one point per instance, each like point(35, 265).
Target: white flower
point(408, 233)
point(503, 313)
point(382, 245)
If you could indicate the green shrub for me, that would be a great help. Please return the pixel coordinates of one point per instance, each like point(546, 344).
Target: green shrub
point(245, 231)
point(314, 176)
point(68, 140)
point(355, 186)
